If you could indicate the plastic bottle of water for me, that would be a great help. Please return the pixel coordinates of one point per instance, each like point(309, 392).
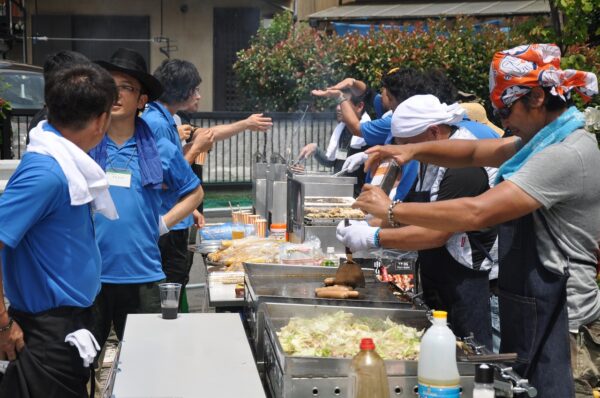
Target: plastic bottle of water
point(368, 377)
point(437, 373)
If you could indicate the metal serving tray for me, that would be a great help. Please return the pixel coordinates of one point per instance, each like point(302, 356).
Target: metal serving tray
point(295, 377)
point(269, 283)
point(326, 221)
point(328, 201)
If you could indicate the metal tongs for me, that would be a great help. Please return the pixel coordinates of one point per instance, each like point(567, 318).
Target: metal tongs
point(415, 298)
point(339, 173)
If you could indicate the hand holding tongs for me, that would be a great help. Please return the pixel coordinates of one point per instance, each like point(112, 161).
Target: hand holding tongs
point(339, 173)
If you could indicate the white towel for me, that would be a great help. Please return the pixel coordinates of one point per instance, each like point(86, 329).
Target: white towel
point(416, 114)
point(85, 343)
point(355, 142)
point(87, 181)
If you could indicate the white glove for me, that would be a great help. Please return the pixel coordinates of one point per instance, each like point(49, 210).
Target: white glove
point(162, 227)
point(353, 162)
point(85, 343)
point(358, 236)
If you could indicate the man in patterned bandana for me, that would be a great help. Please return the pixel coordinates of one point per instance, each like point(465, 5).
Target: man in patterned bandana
point(546, 204)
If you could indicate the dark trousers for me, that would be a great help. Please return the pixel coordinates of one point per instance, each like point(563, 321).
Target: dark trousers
point(48, 367)
point(463, 292)
point(116, 301)
point(174, 255)
point(533, 312)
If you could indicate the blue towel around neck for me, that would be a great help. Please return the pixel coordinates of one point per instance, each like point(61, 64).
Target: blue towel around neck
point(149, 158)
point(553, 133)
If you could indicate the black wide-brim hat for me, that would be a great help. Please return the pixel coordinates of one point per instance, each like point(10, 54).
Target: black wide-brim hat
point(133, 64)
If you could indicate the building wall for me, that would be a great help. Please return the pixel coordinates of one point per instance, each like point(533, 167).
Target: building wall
point(192, 31)
point(307, 7)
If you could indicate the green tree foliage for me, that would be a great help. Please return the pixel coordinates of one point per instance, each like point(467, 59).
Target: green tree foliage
point(286, 61)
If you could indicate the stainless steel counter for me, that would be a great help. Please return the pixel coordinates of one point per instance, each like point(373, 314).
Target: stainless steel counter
point(195, 355)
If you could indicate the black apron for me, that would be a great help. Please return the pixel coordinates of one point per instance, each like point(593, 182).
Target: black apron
point(450, 286)
point(48, 367)
point(533, 312)
point(344, 144)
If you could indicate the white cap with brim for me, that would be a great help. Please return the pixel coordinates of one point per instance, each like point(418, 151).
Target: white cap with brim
point(419, 112)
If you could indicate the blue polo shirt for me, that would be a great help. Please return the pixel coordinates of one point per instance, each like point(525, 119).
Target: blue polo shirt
point(375, 132)
point(129, 245)
point(50, 258)
point(479, 130)
point(162, 125)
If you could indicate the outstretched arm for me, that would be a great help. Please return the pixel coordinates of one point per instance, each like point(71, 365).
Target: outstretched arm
point(254, 122)
point(448, 153)
point(505, 202)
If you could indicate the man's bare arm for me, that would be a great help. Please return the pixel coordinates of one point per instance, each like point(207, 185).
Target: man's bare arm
point(448, 153)
point(504, 202)
point(184, 207)
point(11, 340)
point(412, 238)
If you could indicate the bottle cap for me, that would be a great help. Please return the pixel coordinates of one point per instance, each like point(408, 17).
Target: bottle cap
point(330, 250)
point(279, 226)
point(367, 344)
point(440, 314)
point(484, 374)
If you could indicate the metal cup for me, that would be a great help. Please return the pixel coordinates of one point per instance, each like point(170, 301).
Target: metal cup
point(169, 299)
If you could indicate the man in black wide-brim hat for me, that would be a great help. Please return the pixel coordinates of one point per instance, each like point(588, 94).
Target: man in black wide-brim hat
point(139, 168)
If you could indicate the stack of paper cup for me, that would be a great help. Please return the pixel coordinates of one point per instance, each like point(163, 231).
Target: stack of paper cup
point(201, 158)
point(261, 227)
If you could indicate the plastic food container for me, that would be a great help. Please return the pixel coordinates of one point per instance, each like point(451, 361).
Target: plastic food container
point(279, 232)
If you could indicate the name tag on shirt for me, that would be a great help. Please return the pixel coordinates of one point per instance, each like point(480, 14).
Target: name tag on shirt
point(341, 154)
point(119, 178)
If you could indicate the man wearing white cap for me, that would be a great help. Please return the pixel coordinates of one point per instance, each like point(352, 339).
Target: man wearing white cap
point(455, 267)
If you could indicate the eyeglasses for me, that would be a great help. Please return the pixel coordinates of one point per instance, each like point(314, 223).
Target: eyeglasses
point(504, 113)
point(128, 89)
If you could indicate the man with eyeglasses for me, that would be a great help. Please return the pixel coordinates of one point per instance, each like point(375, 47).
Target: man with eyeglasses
point(546, 204)
point(140, 169)
point(180, 81)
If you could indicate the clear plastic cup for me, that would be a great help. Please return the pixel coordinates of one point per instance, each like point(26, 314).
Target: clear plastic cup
point(169, 299)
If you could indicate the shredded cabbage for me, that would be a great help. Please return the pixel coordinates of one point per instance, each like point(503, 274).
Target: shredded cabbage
point(339, 335)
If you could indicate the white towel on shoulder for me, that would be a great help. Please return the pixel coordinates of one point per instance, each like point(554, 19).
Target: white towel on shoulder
point(356, 142)
point(87, 181)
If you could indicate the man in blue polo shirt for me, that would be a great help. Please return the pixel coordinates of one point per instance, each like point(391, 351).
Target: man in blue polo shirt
point(137, 167)
point(180, 81)
point(50, 259)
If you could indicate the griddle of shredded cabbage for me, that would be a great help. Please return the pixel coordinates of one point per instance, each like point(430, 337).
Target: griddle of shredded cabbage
point(339, 335)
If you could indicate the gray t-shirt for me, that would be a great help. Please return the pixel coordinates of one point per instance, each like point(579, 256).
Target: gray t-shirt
point(565, 179)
